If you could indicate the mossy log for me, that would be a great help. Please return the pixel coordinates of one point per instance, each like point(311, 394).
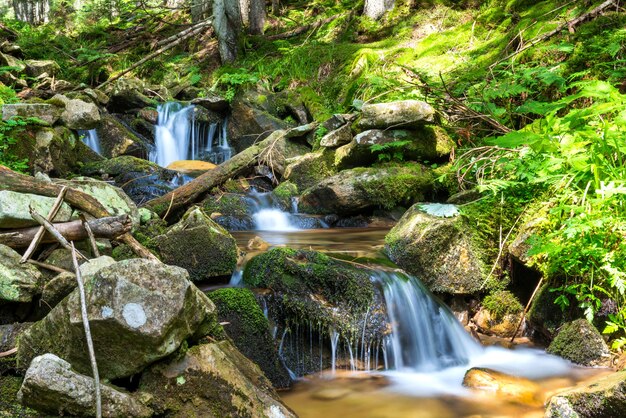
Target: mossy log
point(109, 227)
point(10, 180)
point(195, 190)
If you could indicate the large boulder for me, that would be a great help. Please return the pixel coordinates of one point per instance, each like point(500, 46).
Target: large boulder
point(35, 68)
point(320, 294)
point(437, 249)
point(199, 245)
point(309, 169)
point(116, 139)
point(604, 397)
point(78, 114)
point(18, 282)
point(48, 114)
point(580, 342)
point(115, 201)
point(249, 329)
point(401, 114)
point(427, 143)
point(212, 380)
point(139, 312)
point(14, 209)
point(52, 387)
point(353, 191)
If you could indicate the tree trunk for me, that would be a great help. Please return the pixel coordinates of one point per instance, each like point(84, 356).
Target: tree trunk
point(375, 9)
point(256, 16)
point(227, 24)
point(200, 10)
point(34, 12)
point(110, 228)
point(193, 191)
point(275, 7)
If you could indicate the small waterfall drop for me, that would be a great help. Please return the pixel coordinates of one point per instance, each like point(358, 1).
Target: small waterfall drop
point(267, 216)
point(179, 136)
point(90, 138)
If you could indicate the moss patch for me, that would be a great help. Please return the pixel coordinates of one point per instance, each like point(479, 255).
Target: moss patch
point(580, 342)
point(9, 405)
point(501, 303)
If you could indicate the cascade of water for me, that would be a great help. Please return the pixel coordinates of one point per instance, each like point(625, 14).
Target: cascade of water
point(90, 138)
point(425, 334)
point(179, 136)
point(267, 216)
point(334, 339)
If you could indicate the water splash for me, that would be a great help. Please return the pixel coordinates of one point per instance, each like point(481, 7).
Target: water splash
point(179, 136)
point(90, 138)
point(267, 215)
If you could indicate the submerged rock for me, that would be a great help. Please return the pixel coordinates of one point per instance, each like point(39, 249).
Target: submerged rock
point(250, 331)
point(580, 342)
point(14, 209)
point(512, 388)
point(212, 380)
point(404, 113)
point(604, 397)
point(199, 245)
point(51, 386)
point(18, 282)
point(353, 191)
point(139, 311)
point(438, 250)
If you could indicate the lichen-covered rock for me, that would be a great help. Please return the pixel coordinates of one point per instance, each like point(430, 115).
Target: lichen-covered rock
point(309, 169)
point(400, 114)
point(112, 198)
point(353, 191)
point(604, 397)
point(139, 312)
point(212, 380)
point(18, 282)
point(14, 209)
point(78, 114)
point(580, 342)
point(199, 245)
point(438, 250)
point(35, 68)
point(116, 139)
point(46, 113)
point(512, 388)
point(338, 137)
point(57, 288)
point(249, 329)
point(52, 387)
point(127, 93)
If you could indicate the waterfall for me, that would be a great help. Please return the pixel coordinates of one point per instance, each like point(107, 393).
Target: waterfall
point(266, 214)
point(90, 138)
point(179, 136)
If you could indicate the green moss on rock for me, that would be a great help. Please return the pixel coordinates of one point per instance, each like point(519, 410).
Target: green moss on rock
point(580, 342)
point(501, 303)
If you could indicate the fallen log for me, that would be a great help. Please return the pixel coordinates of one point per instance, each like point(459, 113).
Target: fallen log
point(110, 227)
point(193, 191)
point(10, 180)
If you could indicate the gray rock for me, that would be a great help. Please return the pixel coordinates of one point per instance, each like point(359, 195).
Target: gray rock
point(91, 267)
point(18, 282)
point(79, 114)
point(139, 311)
point(439, 250)
point(57, 288)
point(46, 113)
point(337, 138)
point(212, 380)
point(580, 342)
point(127, 94)
point(212, 102)
point(7, 60)
point(424, 143)
point(352, 191)
point(52, 387)
point(400, 114)
point(14, 209)
point(199, 245)
point(35, 68)
point(116, 139)
point(604, 397)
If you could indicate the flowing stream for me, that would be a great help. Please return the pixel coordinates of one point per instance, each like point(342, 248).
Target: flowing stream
point(179, 136)
point(90, 138)
point(418, 369)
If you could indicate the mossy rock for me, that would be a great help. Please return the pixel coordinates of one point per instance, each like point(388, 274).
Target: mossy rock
point(438, 250)
point(544, 315)
point(10, 407)
point(199, 245)
point(249, 330)
point(116, 139)
point(211, 380)
point(285, 192)
point(354, 191)
point(580, 342)
point(309, 169)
